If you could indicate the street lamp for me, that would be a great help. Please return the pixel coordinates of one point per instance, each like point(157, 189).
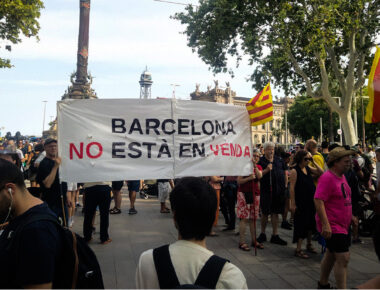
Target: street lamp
point(43, 123)
point(340, 122)
point(174, 85)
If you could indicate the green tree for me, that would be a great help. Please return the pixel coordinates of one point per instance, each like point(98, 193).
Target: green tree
point(303, 45)
point(18, 17)
point(304, 118)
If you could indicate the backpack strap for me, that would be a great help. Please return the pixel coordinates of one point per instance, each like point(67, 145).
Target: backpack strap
point(33, 218)
point(209, 275)
point(167, 277)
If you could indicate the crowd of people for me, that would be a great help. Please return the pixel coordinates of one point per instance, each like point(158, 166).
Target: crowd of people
point(314, 191)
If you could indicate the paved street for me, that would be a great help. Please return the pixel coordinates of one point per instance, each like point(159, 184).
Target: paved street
point(274, 267)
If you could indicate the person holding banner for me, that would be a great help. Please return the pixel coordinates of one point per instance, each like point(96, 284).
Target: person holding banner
point(53, 192)
point(248, 202)
point(272, 187)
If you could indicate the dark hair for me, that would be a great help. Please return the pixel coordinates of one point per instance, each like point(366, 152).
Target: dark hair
point(193, 202)
point(279, 151)
point(300, 155)
point(377, 150)
point(347, 147)
point(302, 146)
point(9, 173)
point(325, 145)
point(39, 148)
point(333, 146)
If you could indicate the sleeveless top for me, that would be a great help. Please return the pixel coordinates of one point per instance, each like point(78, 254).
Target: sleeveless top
point(304, 190)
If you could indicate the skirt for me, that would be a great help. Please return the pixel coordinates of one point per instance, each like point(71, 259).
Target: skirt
point(247, 211)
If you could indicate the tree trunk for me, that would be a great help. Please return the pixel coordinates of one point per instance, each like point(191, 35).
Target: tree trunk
point(331, 126)
point(348, 128)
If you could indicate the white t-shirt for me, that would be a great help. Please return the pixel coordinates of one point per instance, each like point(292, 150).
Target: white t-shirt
point(188, 259)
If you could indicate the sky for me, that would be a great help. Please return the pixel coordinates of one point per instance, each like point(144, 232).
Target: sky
point(125, 37)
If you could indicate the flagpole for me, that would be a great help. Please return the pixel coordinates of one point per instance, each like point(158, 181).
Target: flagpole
point(363, 116)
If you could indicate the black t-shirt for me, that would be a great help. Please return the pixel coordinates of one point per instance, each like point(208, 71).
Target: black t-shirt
point(37, 252)
point(51, 195)
point(278, 177)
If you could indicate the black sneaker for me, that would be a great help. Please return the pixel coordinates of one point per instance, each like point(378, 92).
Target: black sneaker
point(262, 238)
point(327, 286)
point(277, 240)
point(132, 211)
point(285, 225)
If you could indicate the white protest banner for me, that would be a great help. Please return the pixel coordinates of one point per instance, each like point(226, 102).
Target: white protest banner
point(130, 139)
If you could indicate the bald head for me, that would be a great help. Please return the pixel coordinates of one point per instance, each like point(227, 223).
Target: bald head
point(311, 146)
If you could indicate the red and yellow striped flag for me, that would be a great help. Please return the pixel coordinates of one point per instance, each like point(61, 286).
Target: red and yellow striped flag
point(260, 107)
point(373, 109)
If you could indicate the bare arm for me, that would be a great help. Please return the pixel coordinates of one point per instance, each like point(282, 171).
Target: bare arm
point(48, 181)
point(293, 180)
point(171, 183)
point(269, 168)
point(258, 172)
point(242, 180)
point(286, 178)
point(216, 179)
point(317, 170)
point(321, 211)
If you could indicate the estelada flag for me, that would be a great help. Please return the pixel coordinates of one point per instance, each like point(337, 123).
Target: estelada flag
point(373, 109)
point(260, 107)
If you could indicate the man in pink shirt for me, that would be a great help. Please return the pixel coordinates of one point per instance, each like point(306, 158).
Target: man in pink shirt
point(334, 215)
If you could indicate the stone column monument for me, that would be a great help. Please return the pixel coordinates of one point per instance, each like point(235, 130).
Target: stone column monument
point(81, 80)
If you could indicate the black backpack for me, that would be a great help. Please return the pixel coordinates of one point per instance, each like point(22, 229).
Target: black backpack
point(207, 278)
point(77, 266)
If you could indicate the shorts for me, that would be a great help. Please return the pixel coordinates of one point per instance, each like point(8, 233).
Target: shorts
point(272, 204)
point(133, 185)
point(163, 191)
point(117, 185)
point(338, 243)
point(72, 186)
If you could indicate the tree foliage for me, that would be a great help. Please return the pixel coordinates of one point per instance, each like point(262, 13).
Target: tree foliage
point(304, 118)
point(17, 18)
point(302, 45)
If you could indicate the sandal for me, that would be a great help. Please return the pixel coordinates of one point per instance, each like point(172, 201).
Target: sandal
point(301, 254)
point(165, 210)
point(244, 247)
point(258, 245)
point(115, 211)
point(311, 249)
